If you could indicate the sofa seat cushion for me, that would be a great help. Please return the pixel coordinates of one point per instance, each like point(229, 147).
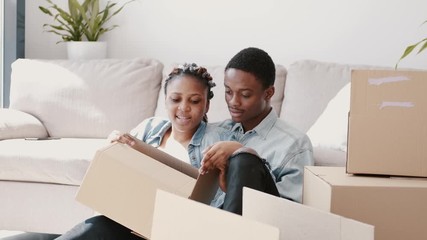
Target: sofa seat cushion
point(86, 98)
point(61, 161)
point(17, 124)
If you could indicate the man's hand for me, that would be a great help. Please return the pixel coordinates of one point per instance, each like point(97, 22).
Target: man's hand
point(217, 156)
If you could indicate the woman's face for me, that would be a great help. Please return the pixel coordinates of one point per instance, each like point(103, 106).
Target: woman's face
point(186, 103)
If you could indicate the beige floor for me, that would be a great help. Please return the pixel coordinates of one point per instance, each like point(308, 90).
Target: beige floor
point(16, 235)
point(4, 233)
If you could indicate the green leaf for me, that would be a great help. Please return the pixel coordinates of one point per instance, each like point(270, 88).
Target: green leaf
point(424, 46)
point(45, 11)
point(73, 9)
point(408, 50)
point(411, 48)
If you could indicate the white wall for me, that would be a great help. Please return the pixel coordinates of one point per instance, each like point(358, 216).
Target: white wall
point(210, 32)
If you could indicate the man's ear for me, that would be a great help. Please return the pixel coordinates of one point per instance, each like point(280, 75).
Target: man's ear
point(269, 92)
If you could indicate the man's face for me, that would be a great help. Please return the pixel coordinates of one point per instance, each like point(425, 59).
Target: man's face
point(248, 102)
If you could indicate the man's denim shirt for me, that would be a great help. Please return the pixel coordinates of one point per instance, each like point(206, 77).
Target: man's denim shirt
point(285, 149)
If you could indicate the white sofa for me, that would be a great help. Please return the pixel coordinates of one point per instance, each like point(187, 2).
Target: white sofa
point(78, 103)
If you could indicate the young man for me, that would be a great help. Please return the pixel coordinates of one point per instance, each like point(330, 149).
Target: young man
point(283, 150)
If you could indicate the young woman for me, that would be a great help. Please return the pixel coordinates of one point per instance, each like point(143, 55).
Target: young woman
point(185, 134)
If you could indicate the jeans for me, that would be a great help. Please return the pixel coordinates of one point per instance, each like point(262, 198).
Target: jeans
point(99, 228)
point(246, 170)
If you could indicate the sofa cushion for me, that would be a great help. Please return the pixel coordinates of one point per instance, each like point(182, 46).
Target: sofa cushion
point(17, 124)
point(86, 98)
point(218, 110)
point(330, 129)
point(310, 85)
point(62, 161)
point(329, 133)
point(309, 105)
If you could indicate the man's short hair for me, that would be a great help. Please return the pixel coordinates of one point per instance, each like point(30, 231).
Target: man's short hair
point(257, 62)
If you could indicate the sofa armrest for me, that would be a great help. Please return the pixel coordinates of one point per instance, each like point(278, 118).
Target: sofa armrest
point(18, 124)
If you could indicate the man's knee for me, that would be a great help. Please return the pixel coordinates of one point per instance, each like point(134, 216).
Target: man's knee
point(245, 161)
point(100, 219)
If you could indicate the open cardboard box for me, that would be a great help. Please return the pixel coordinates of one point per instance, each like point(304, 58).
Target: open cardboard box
point(176, 217)
point(300, 222)
point(121, 183)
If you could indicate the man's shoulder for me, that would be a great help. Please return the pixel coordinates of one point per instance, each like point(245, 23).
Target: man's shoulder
point(293, 142)
point(226, 124)
point(218, 130)
point(281, 127)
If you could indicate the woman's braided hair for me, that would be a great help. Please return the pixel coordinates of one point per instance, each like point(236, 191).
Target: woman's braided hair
point(198, 72)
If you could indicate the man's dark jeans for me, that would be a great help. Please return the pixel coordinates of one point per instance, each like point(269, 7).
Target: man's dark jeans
point(246, 170)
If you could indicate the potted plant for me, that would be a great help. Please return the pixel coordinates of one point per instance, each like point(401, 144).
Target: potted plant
point(82, 24)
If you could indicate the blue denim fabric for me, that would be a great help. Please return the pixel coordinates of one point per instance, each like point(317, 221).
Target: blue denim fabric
point(153, 129)
point(286, 150)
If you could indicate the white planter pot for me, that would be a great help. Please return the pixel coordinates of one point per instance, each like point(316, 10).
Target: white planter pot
point(86, 50)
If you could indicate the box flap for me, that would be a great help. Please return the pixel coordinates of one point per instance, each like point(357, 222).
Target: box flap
point(121, 183)
point(180, 218)
point(297, 221)
point(337, 176)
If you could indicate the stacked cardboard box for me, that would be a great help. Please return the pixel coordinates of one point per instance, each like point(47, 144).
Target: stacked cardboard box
point(388, 123)
point(395, 206)
point(384, 183)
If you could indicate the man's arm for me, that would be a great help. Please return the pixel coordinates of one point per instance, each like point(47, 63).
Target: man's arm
point(216, 156)
point(289, 180)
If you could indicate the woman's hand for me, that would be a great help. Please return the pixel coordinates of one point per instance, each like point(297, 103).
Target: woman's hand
point(124, 138)
point(217, 156)
point(127, 139)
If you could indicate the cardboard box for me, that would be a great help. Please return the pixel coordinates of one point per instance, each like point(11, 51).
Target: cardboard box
point(395, 206)
point(121, 183)
point(297, 221)
point(388, 123)
point(176, 217)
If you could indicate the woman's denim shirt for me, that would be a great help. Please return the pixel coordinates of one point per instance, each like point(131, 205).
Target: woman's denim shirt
point(152, 130)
